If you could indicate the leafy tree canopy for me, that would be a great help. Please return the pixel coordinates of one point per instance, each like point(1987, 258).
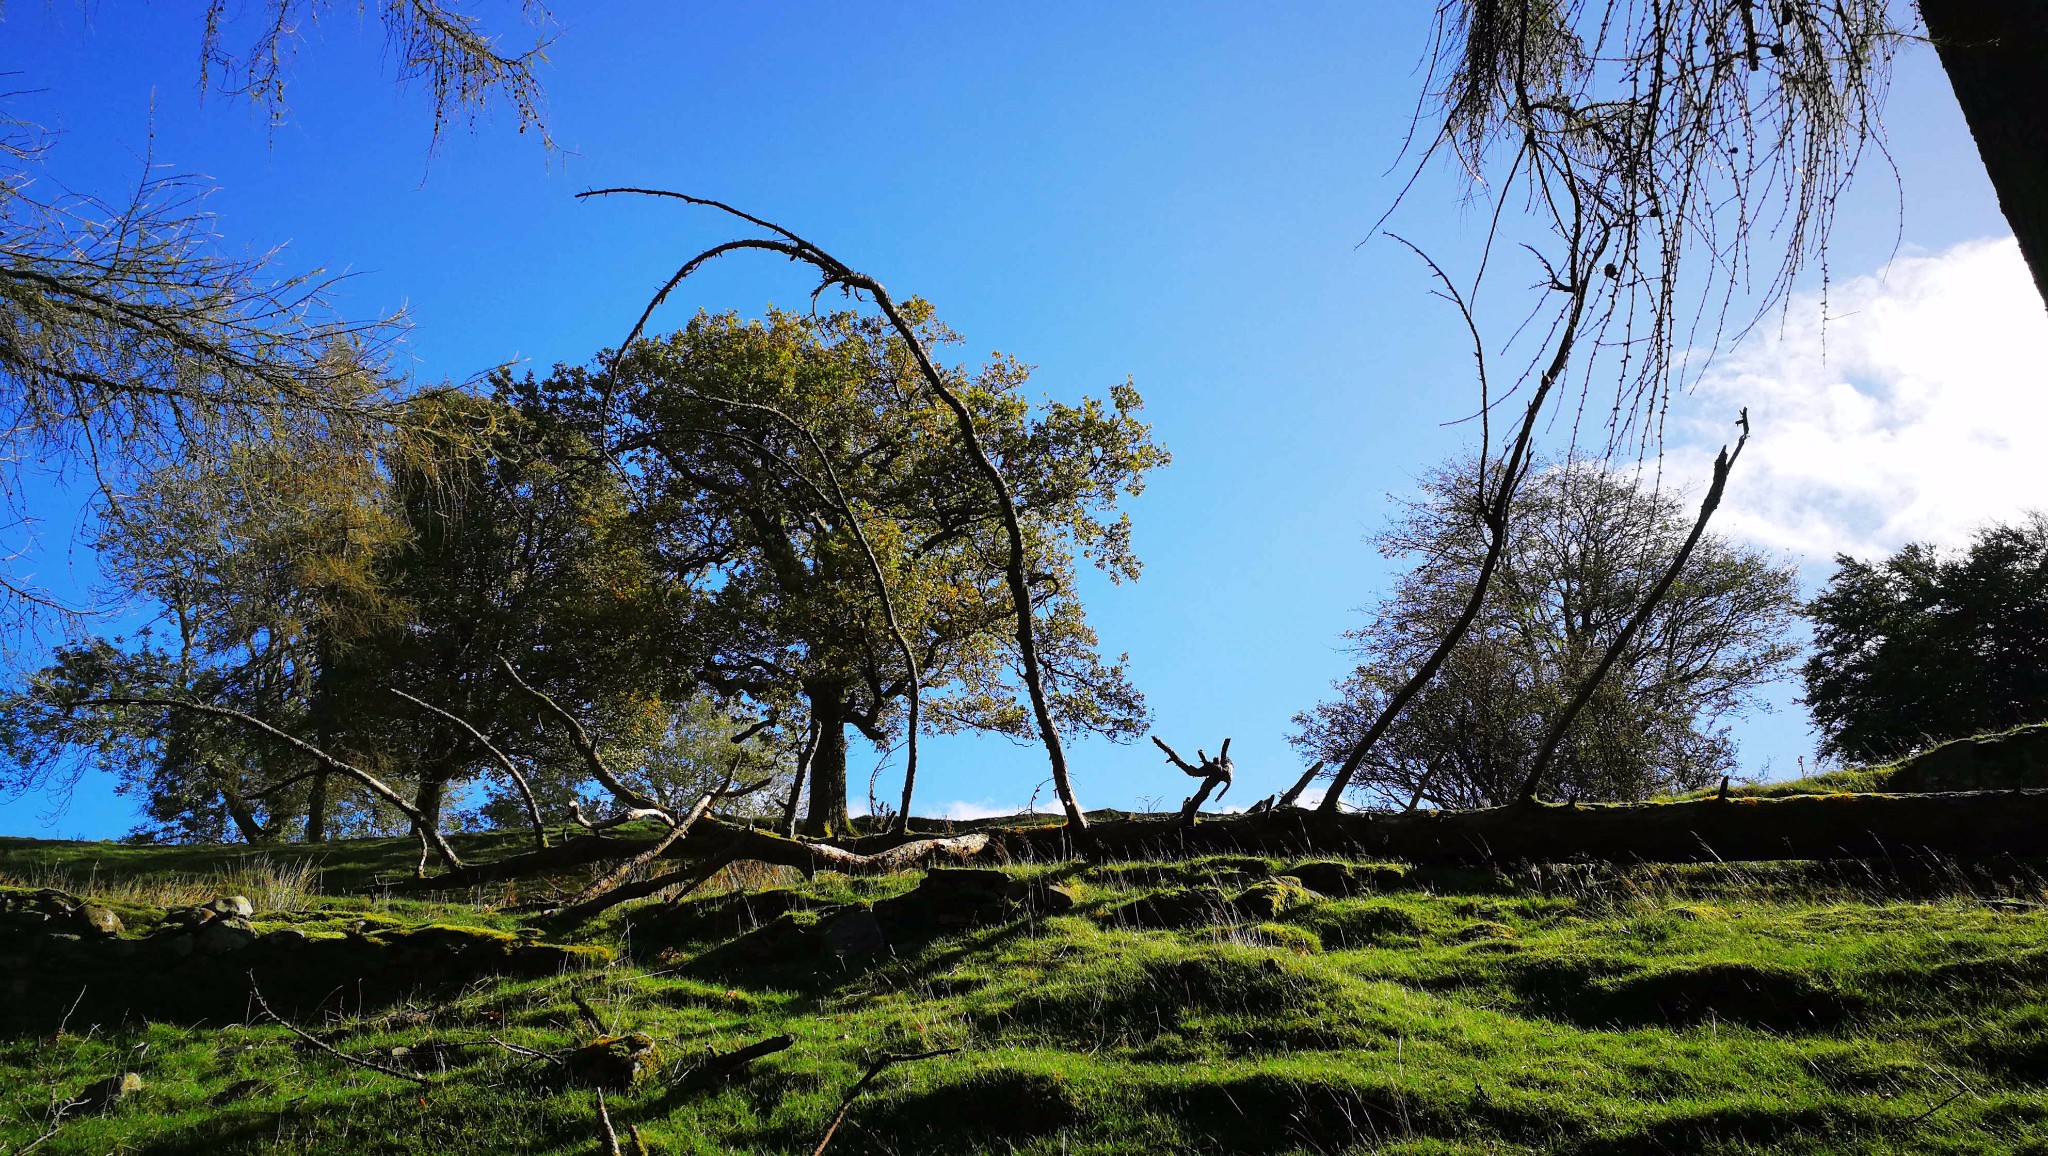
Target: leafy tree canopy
point(1585, 545)
point(1929, 645)
point(771, 456)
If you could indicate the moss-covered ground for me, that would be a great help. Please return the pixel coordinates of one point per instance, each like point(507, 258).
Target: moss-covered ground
point(1717, 1009)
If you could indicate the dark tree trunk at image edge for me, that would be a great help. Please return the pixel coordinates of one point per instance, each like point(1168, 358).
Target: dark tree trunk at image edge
point(828, 763)
point(1996, 55)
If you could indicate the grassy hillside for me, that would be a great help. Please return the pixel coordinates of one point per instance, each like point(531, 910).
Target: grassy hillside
point(1183, 1007)
point(1991, 762)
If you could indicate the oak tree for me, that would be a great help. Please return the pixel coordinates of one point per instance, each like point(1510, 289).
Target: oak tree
point(776, 458)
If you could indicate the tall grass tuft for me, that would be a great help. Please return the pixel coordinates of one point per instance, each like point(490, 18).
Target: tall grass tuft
point(270, 884)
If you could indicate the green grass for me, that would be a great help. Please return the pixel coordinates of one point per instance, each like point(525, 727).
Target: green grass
point(1718, 1008)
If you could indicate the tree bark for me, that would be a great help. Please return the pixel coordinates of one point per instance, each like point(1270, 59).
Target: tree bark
point(1996, 55)
point(828, 815)
point(316, 808)
point(428, 799)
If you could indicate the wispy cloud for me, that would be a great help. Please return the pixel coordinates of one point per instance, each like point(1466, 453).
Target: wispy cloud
point(1915, 410)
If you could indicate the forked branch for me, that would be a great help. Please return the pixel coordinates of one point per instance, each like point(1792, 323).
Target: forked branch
point(834, 272)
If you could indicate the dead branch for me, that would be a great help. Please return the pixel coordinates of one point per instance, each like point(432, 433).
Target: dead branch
point(540, 831)
point(688, 879)
point(879, 1065)
point(1723, 463)
point(607, 1140)
point(56, 1125)
point(619, 875)
point(344, 1057)
point(1300, 785)
point(837, 273)
point(584, 745)
point(1210, 771)
point(813, 735)
point(1496, 504)
point(746, 843)
point(722, 1066)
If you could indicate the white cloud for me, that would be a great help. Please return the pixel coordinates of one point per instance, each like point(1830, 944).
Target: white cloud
point(985, 809)
point(1916, 412)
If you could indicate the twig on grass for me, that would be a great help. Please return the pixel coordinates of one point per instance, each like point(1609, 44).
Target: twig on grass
point(721, 1066)
point(607, 1139)
point(879, 1065)
point(589, 1013)
point(56, 1124)
point(344, 1057)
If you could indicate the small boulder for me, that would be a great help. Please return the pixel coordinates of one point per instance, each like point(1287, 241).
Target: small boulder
point(97, 919)
point(1045, 897)
point(975, 881)
point(853, 933)
point(108, 1092)
point(232, 906)
point(223, 936)
point(950, 899)
point(284, 938)
point(1179, 907)
point(613, 1062)
point(1272, 897)
point(240, 1089)
point(1330, 877)
point(54, 902)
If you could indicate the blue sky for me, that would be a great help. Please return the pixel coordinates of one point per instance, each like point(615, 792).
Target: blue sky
point(1177, 193)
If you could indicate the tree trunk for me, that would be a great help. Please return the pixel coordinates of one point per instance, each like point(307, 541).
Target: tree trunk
point(828, 815)
point(1996, 55)
point(323, 733)
point(244, 816)
point(316, 808)
point(428, 799)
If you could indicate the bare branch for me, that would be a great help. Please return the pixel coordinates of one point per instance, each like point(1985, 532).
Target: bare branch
point(1723, 463)
point(876, 1067)
point(585, 746)
point(836, 273)
point(257, 994)
point(540, 832)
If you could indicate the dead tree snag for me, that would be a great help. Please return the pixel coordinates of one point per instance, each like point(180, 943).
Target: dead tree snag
point(1210, 771)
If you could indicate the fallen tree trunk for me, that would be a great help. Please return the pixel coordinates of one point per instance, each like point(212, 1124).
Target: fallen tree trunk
point(1959, 825)
point(712, 839)
point(1963, 825)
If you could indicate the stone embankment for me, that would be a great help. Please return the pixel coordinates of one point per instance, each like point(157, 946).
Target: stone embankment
point(58, 947)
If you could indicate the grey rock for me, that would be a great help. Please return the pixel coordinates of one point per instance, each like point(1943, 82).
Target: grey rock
point(56, 902)
point(169, 948)
point(223, 936)
point(978, 881)
point(98, 920)
point(1048, 898)
point(240, 1089)
point(237, 906)
point(284, 937)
